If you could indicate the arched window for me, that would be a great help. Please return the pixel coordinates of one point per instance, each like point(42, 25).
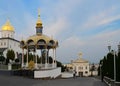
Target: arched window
point(30, 42)
point(4, 43)
point(41, 42)
point(1, 43)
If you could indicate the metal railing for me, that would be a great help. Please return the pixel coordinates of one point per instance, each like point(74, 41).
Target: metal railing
point(111, 82)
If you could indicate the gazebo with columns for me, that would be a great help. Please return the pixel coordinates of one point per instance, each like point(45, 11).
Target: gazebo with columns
point(42, 43)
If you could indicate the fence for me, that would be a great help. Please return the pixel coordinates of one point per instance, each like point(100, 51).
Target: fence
point(3, 67)
point(111, 82)
point(10, 66)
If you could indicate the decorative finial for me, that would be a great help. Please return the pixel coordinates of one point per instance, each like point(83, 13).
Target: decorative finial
point(39, 20)
point(80, 55)
point(38, 12)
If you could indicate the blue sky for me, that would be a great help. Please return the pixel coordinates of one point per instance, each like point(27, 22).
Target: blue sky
point(86, 26)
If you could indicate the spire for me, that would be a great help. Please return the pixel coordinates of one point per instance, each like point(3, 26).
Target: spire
point(39, 26)
point(39, 22)
point(38, 13)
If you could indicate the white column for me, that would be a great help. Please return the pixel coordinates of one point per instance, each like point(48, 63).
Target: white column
point(22, 58)
point(48, 56)
point(41, 57)
point(27, 57)
point(46, 65)
point(53, 59)
point(36, 59)
point(77, 70)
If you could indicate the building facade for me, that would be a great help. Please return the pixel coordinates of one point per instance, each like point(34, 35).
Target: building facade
point(7, 40)
point(81, 66)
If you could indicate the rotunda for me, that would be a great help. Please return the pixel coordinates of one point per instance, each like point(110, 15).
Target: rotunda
point(42, 43)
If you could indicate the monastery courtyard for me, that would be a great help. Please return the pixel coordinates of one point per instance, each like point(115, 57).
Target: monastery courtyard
point(22, 81)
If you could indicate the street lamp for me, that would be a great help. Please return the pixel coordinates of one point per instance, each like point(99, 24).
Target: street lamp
point(114, 53)
point(101, 71)
point(114, 65)
point(109, 48)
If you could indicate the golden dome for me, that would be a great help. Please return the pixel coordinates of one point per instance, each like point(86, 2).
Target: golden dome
point(7, 26)
point(39, 21)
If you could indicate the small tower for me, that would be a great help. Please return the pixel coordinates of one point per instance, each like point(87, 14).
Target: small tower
point(39, 26)
point(7, 30)
point(80, 55)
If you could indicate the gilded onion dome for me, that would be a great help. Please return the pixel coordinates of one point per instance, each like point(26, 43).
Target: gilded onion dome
point(7, 26)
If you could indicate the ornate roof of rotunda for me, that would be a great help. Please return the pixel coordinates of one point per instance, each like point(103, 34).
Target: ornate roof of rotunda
point(36, 38)
point(7, 26)
point(39, 39)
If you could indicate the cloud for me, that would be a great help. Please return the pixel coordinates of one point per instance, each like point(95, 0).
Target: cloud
point(101, 18)
point(94, 48)
point(58, 20)
point(28, 28)
point(69, 49)
point(108, 20)
point(54, 28)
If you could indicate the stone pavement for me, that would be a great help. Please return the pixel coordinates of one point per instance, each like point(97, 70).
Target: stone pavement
point(23, 81)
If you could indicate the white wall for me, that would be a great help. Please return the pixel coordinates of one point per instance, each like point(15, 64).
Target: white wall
point(10, 44)
point(83, 65)
point(52, 73)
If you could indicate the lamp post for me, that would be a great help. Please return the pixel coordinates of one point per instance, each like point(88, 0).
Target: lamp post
point(114, 66)
point(101, 71)
point(114, 53)
point(109, 48)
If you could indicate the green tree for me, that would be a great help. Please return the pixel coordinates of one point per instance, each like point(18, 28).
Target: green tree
point(2, 58)
point(10, 55)
point(17, 60)
point(59, 64)
point(92, 69)
point(50, 59)
point(118, 67)
point(110, 65)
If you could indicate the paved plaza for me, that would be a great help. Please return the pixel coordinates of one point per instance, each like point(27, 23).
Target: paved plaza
point(23, 81)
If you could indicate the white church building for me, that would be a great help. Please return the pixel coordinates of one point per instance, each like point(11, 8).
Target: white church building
point(7, 40)
point(81, 66)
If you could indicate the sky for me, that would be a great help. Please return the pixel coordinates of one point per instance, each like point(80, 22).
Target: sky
point(86, 26)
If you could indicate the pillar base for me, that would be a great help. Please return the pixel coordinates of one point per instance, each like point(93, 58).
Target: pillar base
point(22, 66)
point(27, 64)
point(36, 66)
point(46, 65)
point(53, 66)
